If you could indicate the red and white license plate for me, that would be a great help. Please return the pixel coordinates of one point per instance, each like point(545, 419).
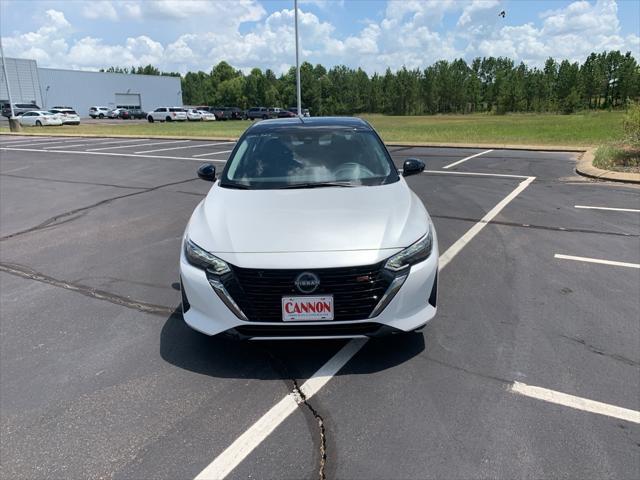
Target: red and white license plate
point(307, 308)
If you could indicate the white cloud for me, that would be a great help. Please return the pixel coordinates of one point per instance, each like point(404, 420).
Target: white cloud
point(99, 10)
point(572, 32)
point(408, 33)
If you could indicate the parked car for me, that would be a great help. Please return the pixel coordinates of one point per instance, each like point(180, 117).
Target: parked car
point(69, 116)
point(121, 113)
point(382, 280)
point(137, 112)
point(99, 112)
point(18, 109)
point(287, 114)
point(193, 115)
point(167, 114)
point(207, 116)
point(273, 112)
point(305, 111)
point(234, 113)
point(257, 113)
point(40, 118)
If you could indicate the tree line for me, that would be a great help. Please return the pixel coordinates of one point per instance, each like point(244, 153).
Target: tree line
point(603, 81)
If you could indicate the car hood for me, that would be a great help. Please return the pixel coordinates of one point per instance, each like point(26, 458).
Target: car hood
point(308, 220)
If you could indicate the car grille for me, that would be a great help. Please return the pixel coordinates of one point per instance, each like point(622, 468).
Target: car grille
point(356, 290)
point(298, 330)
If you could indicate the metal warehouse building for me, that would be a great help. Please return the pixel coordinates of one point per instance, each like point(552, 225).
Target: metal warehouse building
point(80, 89)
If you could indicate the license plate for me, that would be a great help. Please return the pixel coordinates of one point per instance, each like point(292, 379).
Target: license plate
point(307, 308)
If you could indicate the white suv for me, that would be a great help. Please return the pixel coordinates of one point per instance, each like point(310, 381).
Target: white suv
point(167, 114)
point(99, 112)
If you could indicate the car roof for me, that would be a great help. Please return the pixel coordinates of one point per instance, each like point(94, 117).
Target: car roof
point(340, 122)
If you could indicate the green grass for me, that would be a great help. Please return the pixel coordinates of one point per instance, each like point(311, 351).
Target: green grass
point(587, 129)
point(613, 157)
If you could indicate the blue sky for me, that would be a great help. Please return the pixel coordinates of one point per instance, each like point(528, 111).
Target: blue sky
point(182, 35)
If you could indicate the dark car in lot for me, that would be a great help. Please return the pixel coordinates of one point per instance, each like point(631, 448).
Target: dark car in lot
point(304, 111)
point(134, 111)
point(18, 109)
point(287, 114)
point(137, 113)
point(255, 113)
point(227, 113)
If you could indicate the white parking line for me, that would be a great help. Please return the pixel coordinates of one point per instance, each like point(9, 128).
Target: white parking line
point(467, 158)
point(249, 440)
point(476, 174)
point(211, 153)
point(186, 146)
point(29, 140)
point(597, 260)
point(231, 457)
point(45, 143)
point(608, 208)
point(66, 146)
point(578, 403)
point(83, 152)
point(138, 145)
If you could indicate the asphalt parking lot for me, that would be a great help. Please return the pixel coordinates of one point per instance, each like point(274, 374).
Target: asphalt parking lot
point(529, 370)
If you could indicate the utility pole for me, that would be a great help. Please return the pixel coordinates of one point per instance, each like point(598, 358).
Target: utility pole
point(295, 3)
point(14, 125)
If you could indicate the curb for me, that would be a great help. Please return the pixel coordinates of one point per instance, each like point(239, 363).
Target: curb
point(584, 167)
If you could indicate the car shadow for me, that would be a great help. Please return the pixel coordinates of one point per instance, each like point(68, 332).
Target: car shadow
point(224, 357)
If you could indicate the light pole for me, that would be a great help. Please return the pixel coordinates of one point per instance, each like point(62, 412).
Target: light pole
point(295, 4)
point(14, 124)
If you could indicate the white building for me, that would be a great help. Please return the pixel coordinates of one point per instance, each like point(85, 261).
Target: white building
point(48, 87)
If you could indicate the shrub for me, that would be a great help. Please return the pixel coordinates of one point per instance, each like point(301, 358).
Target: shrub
point(631, 124)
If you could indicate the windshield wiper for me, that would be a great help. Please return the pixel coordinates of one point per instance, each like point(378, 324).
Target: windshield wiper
point(319, 185)
point(239, 186)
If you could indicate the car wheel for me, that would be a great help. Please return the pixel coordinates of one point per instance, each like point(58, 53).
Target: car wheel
point(150, 119)
point(38, 123)
point(101, 116)
point(168, 119)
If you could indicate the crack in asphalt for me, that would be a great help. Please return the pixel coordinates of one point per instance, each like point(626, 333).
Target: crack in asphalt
point(282, 369)
point(44, 179)
point(599, 351)
point(301, 399)
point(30, 274)
point(537, 227)
point(53, 221)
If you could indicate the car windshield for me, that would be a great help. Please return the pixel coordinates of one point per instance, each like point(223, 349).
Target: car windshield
point(307, 158)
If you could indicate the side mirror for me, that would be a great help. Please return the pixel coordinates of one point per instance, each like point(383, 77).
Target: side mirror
point(412, 166)
point(208, 172)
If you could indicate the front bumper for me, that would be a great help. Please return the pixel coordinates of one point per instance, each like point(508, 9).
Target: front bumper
point(411, 308)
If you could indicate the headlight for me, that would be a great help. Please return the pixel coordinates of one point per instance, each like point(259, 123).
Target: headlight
point(411, 255)
point(200, 258)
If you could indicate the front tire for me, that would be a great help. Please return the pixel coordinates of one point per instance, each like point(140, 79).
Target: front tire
point(101, 116)
point(168, 119)
point(38, 123)
point(150, 119)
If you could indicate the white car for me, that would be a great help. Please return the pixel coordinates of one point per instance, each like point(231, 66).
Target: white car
point(207, 116)
point(193, 115)
point(309, 232)
point(69, 116)
point(99, 112)
point(40, 118)
point(167, 114)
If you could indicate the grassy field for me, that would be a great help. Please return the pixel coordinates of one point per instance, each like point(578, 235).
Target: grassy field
point(586, 129)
